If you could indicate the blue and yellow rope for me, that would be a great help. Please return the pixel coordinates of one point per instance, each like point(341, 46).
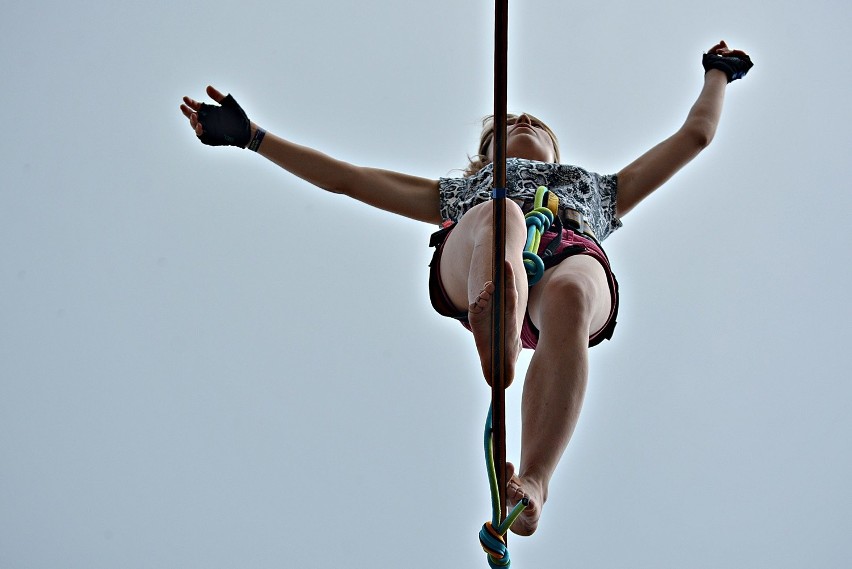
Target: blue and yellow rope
point(538, 221)
point(491, 535)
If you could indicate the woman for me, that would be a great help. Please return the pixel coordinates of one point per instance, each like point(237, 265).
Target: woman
point(574, 304)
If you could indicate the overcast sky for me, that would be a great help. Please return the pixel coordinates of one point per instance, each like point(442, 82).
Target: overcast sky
point(207, 363)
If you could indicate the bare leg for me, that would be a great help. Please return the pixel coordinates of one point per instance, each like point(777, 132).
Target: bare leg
point(466, 273)
point(573, 301)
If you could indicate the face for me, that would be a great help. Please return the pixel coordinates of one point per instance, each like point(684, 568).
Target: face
point(526, 138)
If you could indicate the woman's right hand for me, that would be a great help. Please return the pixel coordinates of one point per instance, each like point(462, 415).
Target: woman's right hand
point(224, 124)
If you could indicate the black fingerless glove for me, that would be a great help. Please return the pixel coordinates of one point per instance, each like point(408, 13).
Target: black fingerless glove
point(225, 125)
point(735, 67)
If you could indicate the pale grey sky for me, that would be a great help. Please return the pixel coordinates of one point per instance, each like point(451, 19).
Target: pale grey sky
point(206, 363)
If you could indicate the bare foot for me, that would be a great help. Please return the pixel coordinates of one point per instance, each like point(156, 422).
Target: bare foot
point(480, 317)
point(517, 488)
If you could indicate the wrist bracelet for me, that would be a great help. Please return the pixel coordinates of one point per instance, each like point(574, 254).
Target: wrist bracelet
point(256, 140)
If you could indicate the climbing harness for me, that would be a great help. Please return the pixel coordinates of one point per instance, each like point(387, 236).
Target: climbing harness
point(491, 535)
point(538, 221)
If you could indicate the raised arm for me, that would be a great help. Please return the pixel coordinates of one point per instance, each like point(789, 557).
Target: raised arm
point(651, 170)
point(406, 195)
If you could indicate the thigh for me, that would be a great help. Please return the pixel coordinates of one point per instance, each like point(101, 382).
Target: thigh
point(576, 292)
point(468, 248)
point(456, 254)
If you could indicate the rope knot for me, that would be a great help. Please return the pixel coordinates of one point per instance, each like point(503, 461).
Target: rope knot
point(495, 546)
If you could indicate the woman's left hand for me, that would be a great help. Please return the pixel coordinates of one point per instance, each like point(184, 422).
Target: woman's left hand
point(734, 63)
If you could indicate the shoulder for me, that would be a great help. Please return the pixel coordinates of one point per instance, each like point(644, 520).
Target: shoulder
point(480, 178)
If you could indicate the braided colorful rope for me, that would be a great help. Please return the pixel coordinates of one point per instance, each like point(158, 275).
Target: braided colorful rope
point(491, 534)
point(538, 221)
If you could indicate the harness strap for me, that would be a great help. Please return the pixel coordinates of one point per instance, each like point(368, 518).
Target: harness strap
point(575, 221)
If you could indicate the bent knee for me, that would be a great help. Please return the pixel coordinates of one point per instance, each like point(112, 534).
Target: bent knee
point(570, 293)
point(576, 296)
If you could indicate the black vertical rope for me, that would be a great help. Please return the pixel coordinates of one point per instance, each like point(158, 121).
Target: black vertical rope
point(498, 335)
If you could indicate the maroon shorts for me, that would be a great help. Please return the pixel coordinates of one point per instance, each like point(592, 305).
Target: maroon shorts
point(572, 244)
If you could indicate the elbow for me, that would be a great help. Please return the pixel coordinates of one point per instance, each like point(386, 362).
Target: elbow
point(700, 133)
point(345, 181)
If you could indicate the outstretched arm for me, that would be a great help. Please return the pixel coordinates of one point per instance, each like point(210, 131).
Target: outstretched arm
point(651, 170)
point(406, 195)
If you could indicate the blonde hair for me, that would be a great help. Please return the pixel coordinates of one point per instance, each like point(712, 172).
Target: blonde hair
point(480, 160)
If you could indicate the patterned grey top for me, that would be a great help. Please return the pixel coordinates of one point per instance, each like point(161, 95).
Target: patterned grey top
point(591, 194)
